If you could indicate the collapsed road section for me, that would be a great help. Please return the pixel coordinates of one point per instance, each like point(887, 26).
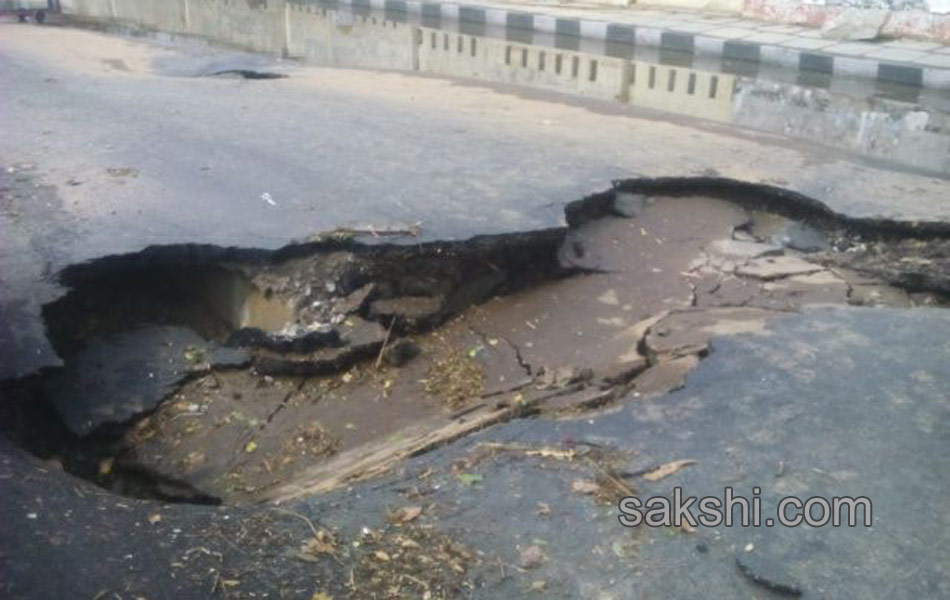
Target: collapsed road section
point(203, 374)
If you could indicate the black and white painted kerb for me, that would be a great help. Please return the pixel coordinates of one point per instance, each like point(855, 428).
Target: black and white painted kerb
point(666, 46)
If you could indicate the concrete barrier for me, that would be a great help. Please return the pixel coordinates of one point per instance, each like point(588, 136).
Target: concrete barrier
point(683, 91)
point(156, 14)
point(258, 25)
point(91, 9)
point(253, 24)
point(501, 61)
point(346, 39)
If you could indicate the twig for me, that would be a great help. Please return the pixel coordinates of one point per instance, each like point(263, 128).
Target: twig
point(299, 516)
point(424, 585)
point(620, 484)
point(382, 349)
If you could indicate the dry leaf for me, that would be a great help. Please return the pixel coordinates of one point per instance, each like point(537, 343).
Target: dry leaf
point(251, 446)
point(382, 556)
point(154, 518)
point(407, 514)
point(105, 466)
point(584, 486)
point(544, 509)
point(405, 542)
point(547, 452)
point(322, 543)
point(667, 469)
point(321, 596)
point(538, 586)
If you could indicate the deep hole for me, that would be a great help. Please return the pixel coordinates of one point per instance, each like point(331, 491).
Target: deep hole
point(247, 301)
point(249, 74)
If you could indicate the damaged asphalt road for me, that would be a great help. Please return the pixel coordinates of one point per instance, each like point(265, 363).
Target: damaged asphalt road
point(248, 376)
point(405, 410)
point(398, 460)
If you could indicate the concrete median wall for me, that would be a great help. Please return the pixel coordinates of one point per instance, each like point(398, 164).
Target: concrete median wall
point(92, 9)
point(258, 25)
point(578, 73)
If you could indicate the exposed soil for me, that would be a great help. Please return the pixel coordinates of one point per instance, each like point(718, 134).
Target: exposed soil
point(330, 361)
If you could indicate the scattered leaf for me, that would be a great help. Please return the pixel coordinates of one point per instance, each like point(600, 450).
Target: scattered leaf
point(251, 446)
point(154, 518)
point(405, 542)
point(667, 469)
point(584, 486)
point(470, 479)
point(105, 466)
point(544, 509)
point(618, 548)
point(547, 452)
point(381, 555)
point(323, 542)
point(407, 514)
point(538, 586)
point(321, 596)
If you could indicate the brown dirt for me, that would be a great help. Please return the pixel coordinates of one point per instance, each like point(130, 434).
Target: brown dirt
point(657, 288)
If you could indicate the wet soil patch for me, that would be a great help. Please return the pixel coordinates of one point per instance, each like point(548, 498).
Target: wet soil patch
point(203, 374)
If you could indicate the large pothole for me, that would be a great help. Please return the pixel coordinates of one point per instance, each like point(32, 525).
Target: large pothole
point(207, 375)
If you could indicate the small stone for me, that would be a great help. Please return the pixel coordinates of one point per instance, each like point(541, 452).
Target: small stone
point(531, 557)
point(609, 298)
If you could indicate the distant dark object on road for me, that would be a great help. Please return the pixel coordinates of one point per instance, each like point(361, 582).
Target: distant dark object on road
point(249, 74)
